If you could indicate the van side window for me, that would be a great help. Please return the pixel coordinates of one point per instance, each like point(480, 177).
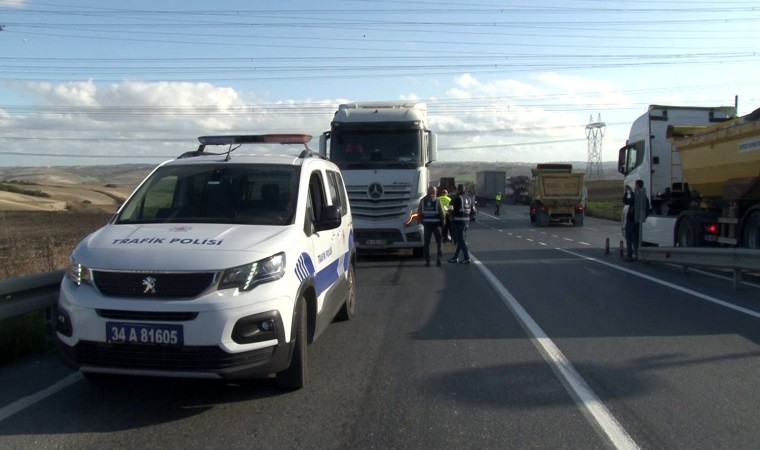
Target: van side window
point(337, 191)
point(317, 199)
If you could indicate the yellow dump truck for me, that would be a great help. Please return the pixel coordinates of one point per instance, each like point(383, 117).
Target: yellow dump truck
point(556, 194)
point(701, 167)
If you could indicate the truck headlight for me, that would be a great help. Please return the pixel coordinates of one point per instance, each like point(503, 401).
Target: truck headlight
point(413, 218)
point(247, 276)
point(79, 274)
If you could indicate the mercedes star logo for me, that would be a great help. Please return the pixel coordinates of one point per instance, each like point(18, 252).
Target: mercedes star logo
point(150, 285)
point(375, 191)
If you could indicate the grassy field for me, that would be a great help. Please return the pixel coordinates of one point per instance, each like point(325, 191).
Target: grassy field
point(34, 242)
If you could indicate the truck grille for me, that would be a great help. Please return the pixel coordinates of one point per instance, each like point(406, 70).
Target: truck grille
point(152, 285)
point(391, 202)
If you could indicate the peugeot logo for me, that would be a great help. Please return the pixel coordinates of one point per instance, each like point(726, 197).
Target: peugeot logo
point(150, 285)
point(375, 191)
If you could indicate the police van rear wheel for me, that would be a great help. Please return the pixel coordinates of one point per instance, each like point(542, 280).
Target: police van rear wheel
point(295, 376)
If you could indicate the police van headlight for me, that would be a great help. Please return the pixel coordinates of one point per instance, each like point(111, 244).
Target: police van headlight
point(79, 274)
point(247, 276)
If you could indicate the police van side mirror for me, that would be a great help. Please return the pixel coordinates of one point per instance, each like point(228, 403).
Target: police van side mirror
point(329, 219)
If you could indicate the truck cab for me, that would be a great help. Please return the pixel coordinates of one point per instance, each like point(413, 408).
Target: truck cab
point(650, 157)
point(383, 150)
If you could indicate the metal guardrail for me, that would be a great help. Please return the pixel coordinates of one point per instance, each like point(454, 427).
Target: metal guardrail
point(738, 260)
point(22, 295)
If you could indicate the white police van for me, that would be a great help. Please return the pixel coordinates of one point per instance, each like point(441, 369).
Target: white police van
point(217, 266)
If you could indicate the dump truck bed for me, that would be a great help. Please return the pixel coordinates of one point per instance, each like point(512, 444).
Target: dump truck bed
point(722, 154)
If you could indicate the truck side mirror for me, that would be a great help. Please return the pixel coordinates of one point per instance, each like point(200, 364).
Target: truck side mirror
point(432, 148)
point(622, 158)
point(323, 144)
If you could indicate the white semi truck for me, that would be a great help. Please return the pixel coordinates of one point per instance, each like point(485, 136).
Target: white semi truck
point(701, 170)
point(383, 150)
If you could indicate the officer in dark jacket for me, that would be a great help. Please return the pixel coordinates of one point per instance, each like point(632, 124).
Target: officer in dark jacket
point(460, 221)
point(432, 214)
point(634, 199)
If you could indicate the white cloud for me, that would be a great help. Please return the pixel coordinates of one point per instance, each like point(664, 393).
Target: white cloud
point(499, 120)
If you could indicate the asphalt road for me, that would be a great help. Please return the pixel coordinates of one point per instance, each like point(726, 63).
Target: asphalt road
point(546, 341)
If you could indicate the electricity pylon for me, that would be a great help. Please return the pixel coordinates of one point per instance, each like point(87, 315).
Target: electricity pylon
point(594, 134)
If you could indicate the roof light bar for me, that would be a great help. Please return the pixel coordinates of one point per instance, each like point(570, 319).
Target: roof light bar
point(255, 139)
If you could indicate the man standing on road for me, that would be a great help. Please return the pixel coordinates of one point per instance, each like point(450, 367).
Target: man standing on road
point(445, 202)
point(498, 202)
point(461, 219)
point(431, 211)
point(634, 200)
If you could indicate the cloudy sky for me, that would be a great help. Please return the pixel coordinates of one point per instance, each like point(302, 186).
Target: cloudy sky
point(86, 82)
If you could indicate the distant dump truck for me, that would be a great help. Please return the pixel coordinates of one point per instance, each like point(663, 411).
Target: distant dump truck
point(556, 193)
point(490, 182)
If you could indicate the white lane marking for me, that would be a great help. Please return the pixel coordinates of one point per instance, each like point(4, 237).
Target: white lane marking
point(583, 243)
point(705, 297)
point(23, 403)
point(593, 409)
point(555, 236)
point(568, 239)
point(542, 243)
point(529, 239)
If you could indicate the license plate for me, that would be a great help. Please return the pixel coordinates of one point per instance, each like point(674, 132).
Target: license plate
point(141, 333)
point(376, 242)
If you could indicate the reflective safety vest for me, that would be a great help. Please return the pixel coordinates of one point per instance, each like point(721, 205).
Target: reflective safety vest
point(462, 207)
point(445, 201)
point(431, 210)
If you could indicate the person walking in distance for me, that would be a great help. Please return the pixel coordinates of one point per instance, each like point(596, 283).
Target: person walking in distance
point(497, 199)
point(460, 221)
point(432, 214)
point(445, 202)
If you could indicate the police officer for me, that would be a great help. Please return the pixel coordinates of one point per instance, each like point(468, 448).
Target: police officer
point(445, 202)
point(634, 199)
point(462, 204)
point(498, 202)
point(432, 214)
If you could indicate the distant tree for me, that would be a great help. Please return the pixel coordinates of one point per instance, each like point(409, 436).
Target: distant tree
point(519, 186)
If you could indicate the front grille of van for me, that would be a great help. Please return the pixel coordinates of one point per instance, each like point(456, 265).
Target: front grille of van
point(144, 285)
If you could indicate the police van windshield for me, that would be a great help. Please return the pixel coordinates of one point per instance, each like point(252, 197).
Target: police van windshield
point(352, 149)
point(240, 194)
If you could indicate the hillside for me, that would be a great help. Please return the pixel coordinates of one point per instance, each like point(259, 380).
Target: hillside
point(103, 188)
point(93, 188)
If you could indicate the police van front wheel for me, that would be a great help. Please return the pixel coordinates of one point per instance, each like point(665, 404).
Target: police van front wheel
point(349, 305)
point(295, 376)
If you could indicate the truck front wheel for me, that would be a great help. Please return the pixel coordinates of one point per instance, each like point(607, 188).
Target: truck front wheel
point(687, 235)
point(751, 231)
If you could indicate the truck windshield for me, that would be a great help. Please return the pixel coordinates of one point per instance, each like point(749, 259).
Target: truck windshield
point(205, 193)
point(353, 149)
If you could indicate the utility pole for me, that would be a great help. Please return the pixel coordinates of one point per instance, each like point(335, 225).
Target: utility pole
point(594, 135)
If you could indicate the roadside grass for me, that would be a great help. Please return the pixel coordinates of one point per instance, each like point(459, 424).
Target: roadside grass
point(36, 242)
point(604, 209)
